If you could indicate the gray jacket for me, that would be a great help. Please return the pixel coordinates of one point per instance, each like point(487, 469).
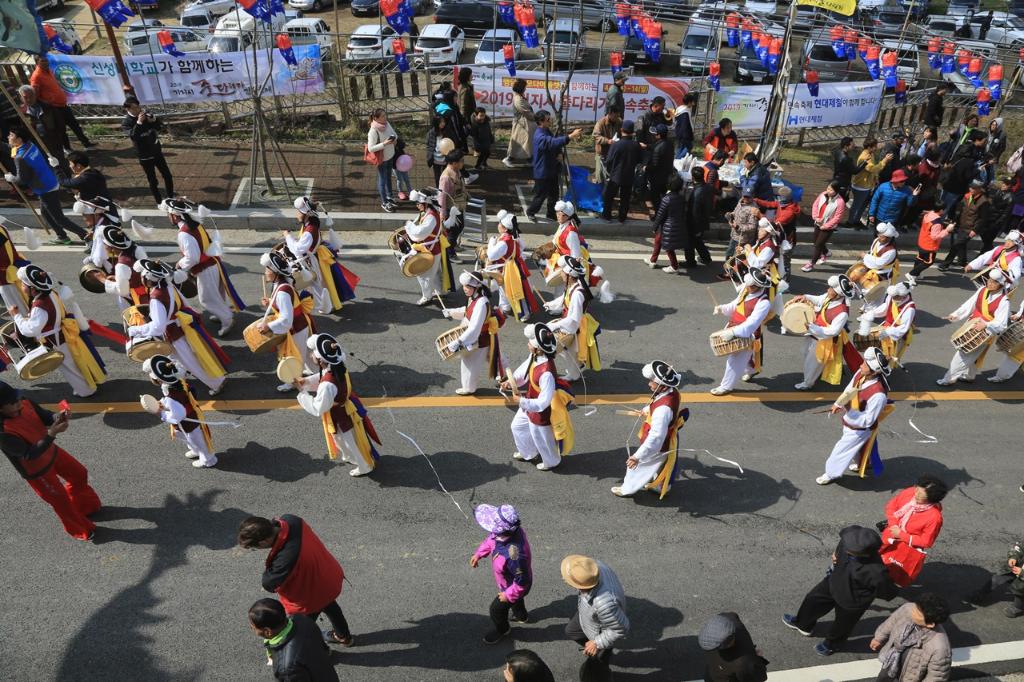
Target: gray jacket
point(928, 661)
point(602, 611)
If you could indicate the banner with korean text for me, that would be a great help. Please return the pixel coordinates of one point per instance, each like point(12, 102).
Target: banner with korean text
point(196, 77)
point(585, 96)
point(837, 104)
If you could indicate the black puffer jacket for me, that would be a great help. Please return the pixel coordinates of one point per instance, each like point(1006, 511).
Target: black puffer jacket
point(670, 220)
point(302, 656)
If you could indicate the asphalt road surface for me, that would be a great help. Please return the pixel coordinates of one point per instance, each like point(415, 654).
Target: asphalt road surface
point(163, 593)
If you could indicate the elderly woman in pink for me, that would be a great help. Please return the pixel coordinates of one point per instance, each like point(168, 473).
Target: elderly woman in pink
point(511, 563)
point(827, 211)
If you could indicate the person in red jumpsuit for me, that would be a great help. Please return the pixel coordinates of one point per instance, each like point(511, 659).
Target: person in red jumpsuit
point(27, 434)
point(913, 521)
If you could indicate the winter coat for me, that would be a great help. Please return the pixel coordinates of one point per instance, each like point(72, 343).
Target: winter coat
point(888, 203)
point(927, 661)
point(466, 97)
point(659, 167)
point(743, 226)
point(305, 576)
point(520, 142)
point(1002, 204)
point(546, 149)
point(867, 176)
point(614, 100)
point(859, 576)
point(904, 556)
point(623, 157)
point(670, 221)
point(996, 140)
point(602, 610)
point(974, 213)
point(482, 134)
point(683, 125)
point(302, 656)
point(1017, 554)
point(760, 182)
point(957, 177)
point(934, 110)
point(700, 206)
point(844, 167)
point(739, 663)
point(604, 131)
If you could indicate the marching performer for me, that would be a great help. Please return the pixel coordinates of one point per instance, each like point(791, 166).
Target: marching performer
point(541, 428)
point(569, 242)
point(428, 235)
point(125, 283)
point(882, 258)
point(179, 409)
point(1012, 362)
point(575, 319)
point(747, 315)
point(48, 322)
point(828, 344)
point(347, 428)
point(897, 328)
point(505, 257)
point(988, 308)
point(867, 395)
point(481, 354)
point(335, 284)
point(10, 261)
point(291, 313)
point(1007, 257)
point(217, 294)
point(182, 327)
point(764, 255)
point(652, 466)
point(97, 213)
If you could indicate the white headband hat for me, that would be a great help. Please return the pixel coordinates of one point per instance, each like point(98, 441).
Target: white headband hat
point(995, 274)
point(471, 279)
point(565, 207)
point(876, 361)
point(304, 205)
point(418, 197)
point(765, 224)
point(899, 290)
point(1014, 236)
point(508, 220)
point(843, 286)
point(85, 208)
point(887, 230)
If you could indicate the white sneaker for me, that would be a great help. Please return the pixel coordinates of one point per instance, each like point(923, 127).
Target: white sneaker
point(521, 457)
point(853, 467)
point(945, 382)
point(285, 388)
point(358, 472)
point(718, 390)
point(192, 454)
point(823, 480)
point(996, 379)
point(464, 391)
point(544, 467)
point(807, 267)
point(219, 389)
point(617, 490)
point(423, 301)
point(802, 387)
point(199, 464)
point(471, 178)
point(647, 261)
point(226, 328)
point(507, 163)
point(670, 270)
point(749, 375)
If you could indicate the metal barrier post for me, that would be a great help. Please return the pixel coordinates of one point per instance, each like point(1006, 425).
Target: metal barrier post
point(474, 223)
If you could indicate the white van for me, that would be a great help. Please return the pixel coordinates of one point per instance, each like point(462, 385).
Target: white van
point(199, 19)
point(237, 31)
point(565, 41)
point(311, 31)
point(141, 39)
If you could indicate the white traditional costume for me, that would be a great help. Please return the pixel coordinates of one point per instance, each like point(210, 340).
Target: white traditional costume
point(347, 428)
point(288, 313)
point(333, 284)
point(882, 258)
point(1012, 362)
point(542, 427)
point(747, 314)
point(581, 350)
point(1006, 257)
point(569, 242)
point(124, 284)
point(179, 409)
point(98, 213)
point(505, 262)
point(828, 345)
point(428, 235)
point(990, 306)
point(481, 355)
point(869, 404)
point(897, 311)
point(655, 461)
point(764, 255)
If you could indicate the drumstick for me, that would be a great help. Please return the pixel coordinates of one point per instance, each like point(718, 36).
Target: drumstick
point(712, 295)
point(629, 413)
point(443, 309)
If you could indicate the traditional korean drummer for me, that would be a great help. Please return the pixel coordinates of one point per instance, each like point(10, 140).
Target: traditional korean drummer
point(481, 356)
point(897, 312)
point(125, 284)
point(575, 319)
point(97, 213)
point(179, 409)
point(1007, 257)
point(988, 308)
point(569, 242)
point(828, 345)
point(505, 259)
point(334, 284)
point(1012, 362)
point(747, 314)
point(288, 313)
point(882, 258)
point(427, 233)
point(652, 466)
point(10, 260)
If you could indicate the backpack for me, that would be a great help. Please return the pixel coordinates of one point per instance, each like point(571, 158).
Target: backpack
point(1016, 160)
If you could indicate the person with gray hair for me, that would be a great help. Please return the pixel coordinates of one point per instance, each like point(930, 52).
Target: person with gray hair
point(600, 621)
point(47, 121)
point(729, 651)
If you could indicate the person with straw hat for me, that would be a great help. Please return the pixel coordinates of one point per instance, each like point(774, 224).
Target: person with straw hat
point(600, 621)
point(1007, 257)
point(652, 466)
point(481, 354)
point(178, 408)
point(511, 563)
point(988, 308)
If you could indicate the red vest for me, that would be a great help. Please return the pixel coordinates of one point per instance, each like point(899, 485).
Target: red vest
point(864, 394)
point(573, 288)
point(204, 260)
point(135, 282)
point(562, 243)
point(314, 231)
point(890, 320)
point(511, 248)
point(162, 294)
point(671, 399)
point(1010, 257)
point(30, 428)
point(435, 235)
point(533, 377)
point(342, 422)
point(993, 305)
point(742, 312)
point(315, 578)
point(828, 313)
point(179, 394)
point(299, 319)
point(767, 243)
point(925, 241)
point(484, 340)
point(884, 250)
point(45, 303)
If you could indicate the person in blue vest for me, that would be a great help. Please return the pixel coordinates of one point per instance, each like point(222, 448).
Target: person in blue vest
point(34, 173)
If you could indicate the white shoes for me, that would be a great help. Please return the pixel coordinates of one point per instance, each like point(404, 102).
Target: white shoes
point(802, 387)
point(749, 376)
point(285, 388)
point(199, 464)
point(718, 390)
point(423, 301)
point(853, 467)
point(670, 270)
point(521, 458)
point(219, 389)
point(617, 491)
point(996, 379)
point(507, 162)
point(647, 261)
point(358, 472)
point(464, 391)
point(544, 467)
point(823, 480)
point(226, 328)
point(192, 454)
point(945, 382)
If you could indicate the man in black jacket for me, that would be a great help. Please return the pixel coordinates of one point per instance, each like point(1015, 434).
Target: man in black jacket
point(85, 181)
point(623, 157)
point(844, 167)
point(857, 577)
point(143, 128)
point(894, 148)
point(655, 114)
point(296, 649)
point(683, 123)
point(700, 203)
point(729, 651)
point(934, 110)
point(659, 166)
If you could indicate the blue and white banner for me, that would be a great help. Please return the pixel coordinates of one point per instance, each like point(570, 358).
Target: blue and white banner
point(196, 77)
point(837, 104)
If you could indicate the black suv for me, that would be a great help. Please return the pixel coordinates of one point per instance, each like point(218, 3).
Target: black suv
point(478, 16)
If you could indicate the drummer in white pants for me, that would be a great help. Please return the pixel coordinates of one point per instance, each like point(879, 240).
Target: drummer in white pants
point(476, 339)
point(1009, 366)
point(764, 254)
point(662, 414)
point(1007, 257)
point(747, 313)
point(989, 307)
point(831, 311)
point(285, 315)
point(572, 305)
point(531, 427)
point(123, 252)
point(868, 385)
point(177, 409)
point(426, 230)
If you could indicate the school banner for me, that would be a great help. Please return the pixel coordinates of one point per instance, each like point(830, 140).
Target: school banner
point(837, 104)
point(196, 77)
point(585, 95)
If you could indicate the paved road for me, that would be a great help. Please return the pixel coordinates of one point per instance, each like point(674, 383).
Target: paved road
point(162, 595)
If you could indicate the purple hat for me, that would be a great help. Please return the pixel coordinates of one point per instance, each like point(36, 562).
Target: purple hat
point(503, 519)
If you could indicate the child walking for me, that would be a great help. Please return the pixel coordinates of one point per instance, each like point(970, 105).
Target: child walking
point(511, 562)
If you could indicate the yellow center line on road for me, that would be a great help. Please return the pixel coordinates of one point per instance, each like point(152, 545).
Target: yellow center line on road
point(421, 402)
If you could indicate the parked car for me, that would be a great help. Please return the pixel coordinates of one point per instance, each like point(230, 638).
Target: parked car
point(1015, 7)
point(199, 19)
point(670, 10)
point(141, 38)
point(819, 56)
point(371, 8)
point(941, 25)
point(66, 30)
point(633, 54)
point(238, 30)
point(698, 48)
point(713, 13)
point(761, 8)
point(1006, 29)
point(961, 7)
point(888, 21)
point(599, 14)
point(370, 41)
point(440, 44)
point(468, 15)
point(564, 41)
point(311, 31)
point(48, 4)
point(492, 46)
point(749, 68)
point(908, 60)
point(217, 8)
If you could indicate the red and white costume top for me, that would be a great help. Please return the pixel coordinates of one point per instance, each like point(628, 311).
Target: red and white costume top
point(747, 312)
point(830, 317)
point(881, 257)
point(996, 303)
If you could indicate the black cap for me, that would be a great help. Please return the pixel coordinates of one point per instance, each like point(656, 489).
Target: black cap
point(8, 394)
point(860, 540)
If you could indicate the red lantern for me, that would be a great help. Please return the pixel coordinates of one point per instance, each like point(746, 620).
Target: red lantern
point(873, 51)
point(963, 57)
point(863, 44)
point(984, 95)
point(995, 72)
point(775, 46)
point(732, 20)
point(508, 52)
point(934, 44)
point(1022, 54)
point(615, 59)
point(714, 69)
point(836, 34)
point(948, 48)
point(811, 77)
point(889, 59)
point(851, 35)
point(398, 46)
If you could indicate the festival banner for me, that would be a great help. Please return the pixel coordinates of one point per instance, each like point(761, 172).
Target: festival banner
point(196, 77)
point(837, 104)
point(844, 7)
point(585, 96)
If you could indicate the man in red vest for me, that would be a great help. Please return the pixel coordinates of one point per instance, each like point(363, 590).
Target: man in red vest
point(304, 574)
point(27, 434)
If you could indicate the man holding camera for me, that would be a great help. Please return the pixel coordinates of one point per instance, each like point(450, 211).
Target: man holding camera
point(143, 128)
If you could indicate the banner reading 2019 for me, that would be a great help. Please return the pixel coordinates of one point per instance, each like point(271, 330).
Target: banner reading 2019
point(196, 77)
point(837, 104)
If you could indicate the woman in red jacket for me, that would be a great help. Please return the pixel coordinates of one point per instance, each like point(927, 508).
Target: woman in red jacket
point(306, 577)
point(914, 519)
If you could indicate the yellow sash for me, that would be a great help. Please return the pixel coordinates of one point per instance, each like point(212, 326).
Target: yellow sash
point(361, 437)
point(663, 481)
point(512, 283)
point(288, 347)
point(561, 423)
point(865, 453)
point(325, 260)
point(80, 353)
point(207, 360)
point(895, 349)
point(199, 417)
point(829, 353)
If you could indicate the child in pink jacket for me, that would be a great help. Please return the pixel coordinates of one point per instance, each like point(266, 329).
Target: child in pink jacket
point(511, 563)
